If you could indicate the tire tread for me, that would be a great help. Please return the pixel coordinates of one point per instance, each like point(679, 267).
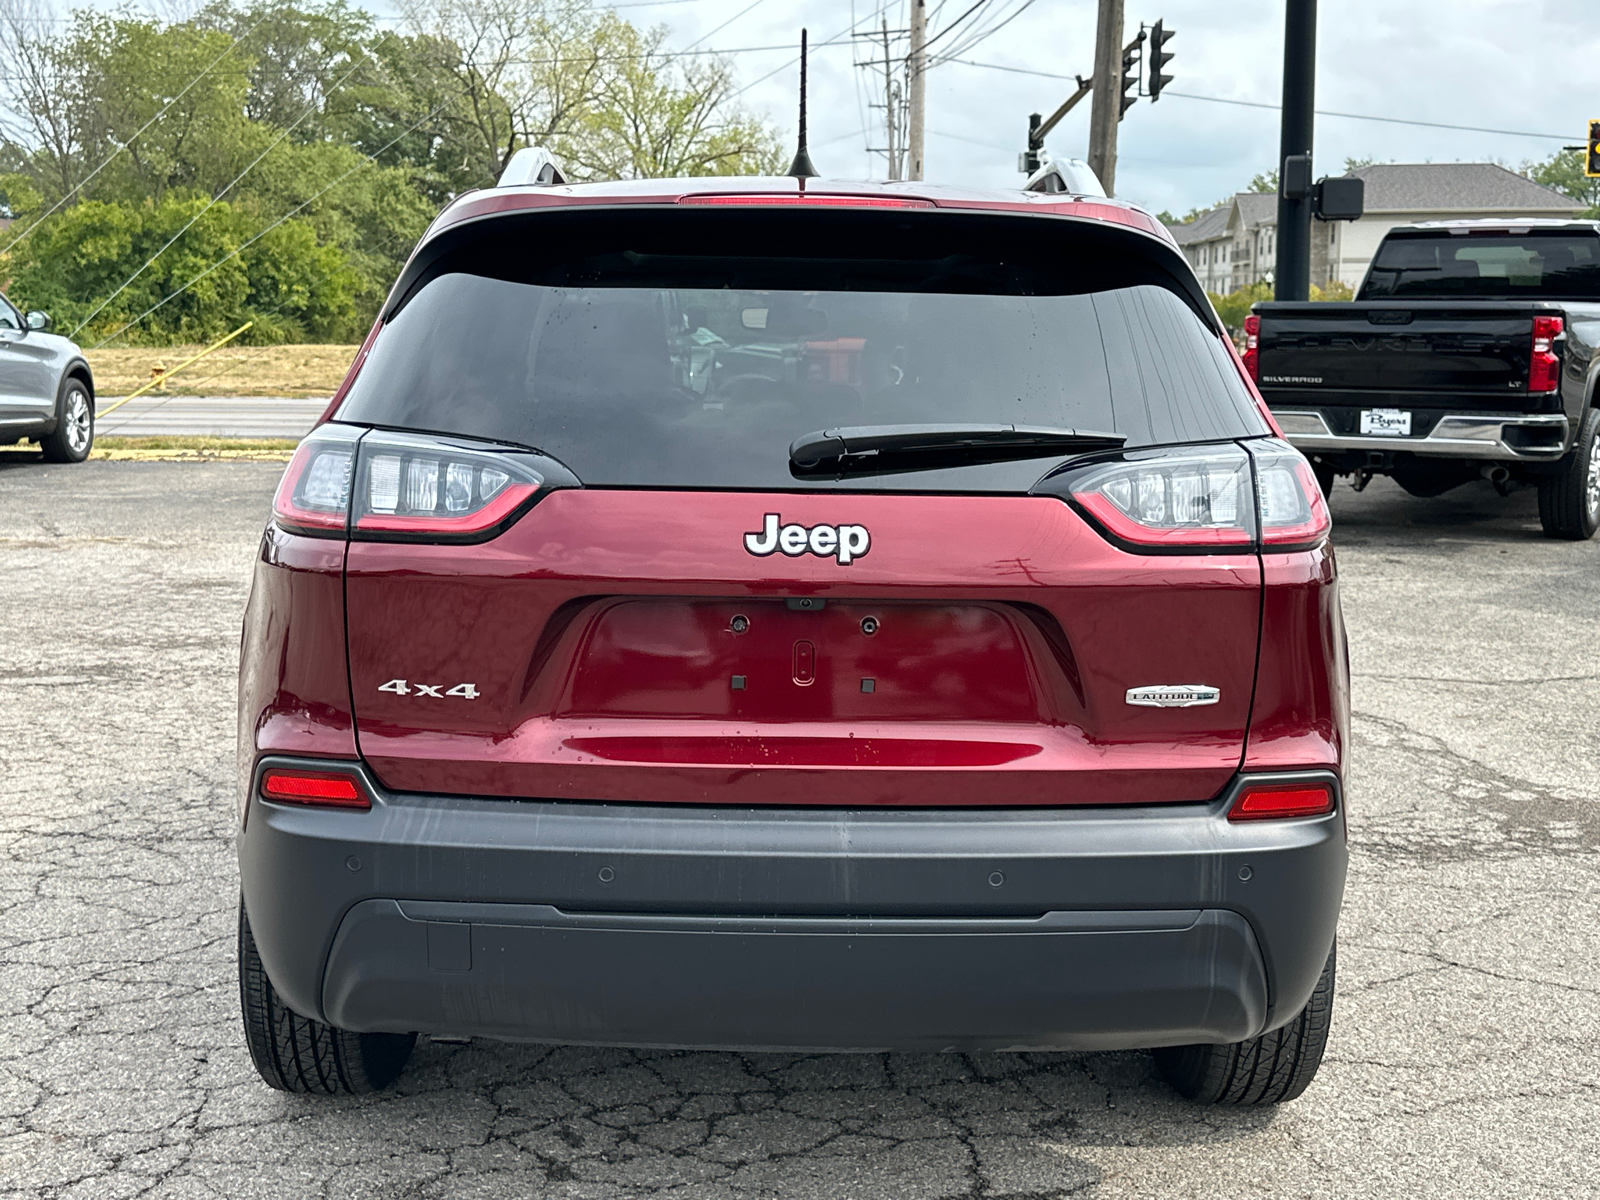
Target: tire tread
point(1270, 1069)
point(295, 1054)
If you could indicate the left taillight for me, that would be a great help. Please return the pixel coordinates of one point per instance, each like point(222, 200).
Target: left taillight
point(314, 495)
point(1203, 500)
point(319, 789)
point(409, 487)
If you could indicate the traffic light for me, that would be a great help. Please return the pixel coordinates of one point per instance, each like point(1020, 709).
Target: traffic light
point(1160, 58)
point(1591, 162)
point(1130, 74)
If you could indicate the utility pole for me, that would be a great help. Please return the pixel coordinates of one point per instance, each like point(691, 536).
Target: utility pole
point(1105, 109)
point(1293, 270)
point(890, 108)
point(918, 70)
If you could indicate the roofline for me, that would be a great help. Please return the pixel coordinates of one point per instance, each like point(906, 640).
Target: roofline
point(490, 204)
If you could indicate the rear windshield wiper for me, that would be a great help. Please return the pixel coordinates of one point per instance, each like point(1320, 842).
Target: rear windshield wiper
point(881, 449)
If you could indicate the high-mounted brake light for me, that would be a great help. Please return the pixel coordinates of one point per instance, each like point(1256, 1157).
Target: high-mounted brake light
point(323, 789)
point(1252, 346)
point(414, 488)
point(1205, 500)
point(809, 200)
point(1276, 801)
point(314, 495)
point(1544, 367)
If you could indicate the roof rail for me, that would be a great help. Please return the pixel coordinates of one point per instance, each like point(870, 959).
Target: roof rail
point(1070, 175)
point(533, 166)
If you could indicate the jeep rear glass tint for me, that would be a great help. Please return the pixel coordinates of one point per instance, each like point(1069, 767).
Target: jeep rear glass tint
point(693, 362)
point(1529, 266)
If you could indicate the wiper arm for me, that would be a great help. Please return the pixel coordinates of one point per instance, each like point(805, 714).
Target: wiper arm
point(882, 449)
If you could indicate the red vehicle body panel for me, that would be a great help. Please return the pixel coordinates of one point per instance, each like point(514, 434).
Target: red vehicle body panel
point(604, 666)
point(596, 634)
point(294, 684)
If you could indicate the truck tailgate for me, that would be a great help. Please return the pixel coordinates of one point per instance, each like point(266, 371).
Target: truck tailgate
point(1445, 347)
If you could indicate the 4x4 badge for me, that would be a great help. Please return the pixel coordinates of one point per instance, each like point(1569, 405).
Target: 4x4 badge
point(845, 543)
point(1174, 695)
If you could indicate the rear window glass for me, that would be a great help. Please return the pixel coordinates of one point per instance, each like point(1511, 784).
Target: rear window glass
point(657, 367)
point(1534, 266)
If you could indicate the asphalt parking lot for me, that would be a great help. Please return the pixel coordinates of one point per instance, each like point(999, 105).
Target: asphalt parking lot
point(1465, 1058)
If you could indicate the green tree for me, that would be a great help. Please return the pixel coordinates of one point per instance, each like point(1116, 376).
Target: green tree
point(1563, 171)
point(1235, 306)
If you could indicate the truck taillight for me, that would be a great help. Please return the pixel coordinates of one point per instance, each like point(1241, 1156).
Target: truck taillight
point(1252, 346)
point(1544, 367)
point(314, 495)
point(1210, 499)
point(426, 489)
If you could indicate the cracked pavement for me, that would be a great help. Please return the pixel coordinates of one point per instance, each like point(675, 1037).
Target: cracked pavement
point(1466, 1039)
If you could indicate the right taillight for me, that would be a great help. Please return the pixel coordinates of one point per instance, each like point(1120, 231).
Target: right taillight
point(1277, 801)
point(1212, 499)
point(1293, 513)
point(1544, 367)
point(1252, 346)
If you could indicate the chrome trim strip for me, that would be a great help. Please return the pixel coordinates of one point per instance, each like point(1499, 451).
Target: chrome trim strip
point(1455, 436)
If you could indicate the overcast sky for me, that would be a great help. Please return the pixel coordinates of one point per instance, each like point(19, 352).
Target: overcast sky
point(1521, 65)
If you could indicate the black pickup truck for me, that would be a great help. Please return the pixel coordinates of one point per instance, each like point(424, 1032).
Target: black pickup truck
point(1470, 351)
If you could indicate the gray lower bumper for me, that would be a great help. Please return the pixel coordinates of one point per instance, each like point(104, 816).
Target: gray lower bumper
point(1535, 438)
point(819, 929)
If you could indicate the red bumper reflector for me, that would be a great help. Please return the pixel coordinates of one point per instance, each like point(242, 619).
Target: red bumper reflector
point(322, 788)
point(1265, 802)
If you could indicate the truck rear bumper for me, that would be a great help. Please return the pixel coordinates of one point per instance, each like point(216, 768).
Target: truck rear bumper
point(1490, 436)
point(793, 929)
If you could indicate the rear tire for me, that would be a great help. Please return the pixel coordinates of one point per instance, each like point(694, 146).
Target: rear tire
point(1569, 501)
point(73, 436)
point(1270, 1069)
point(294, 1054)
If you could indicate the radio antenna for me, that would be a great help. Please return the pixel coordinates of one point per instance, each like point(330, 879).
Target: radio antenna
point(801, 168)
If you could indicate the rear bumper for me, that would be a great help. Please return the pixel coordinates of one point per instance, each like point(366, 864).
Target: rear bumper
point(793, 929)
point(1533, 437)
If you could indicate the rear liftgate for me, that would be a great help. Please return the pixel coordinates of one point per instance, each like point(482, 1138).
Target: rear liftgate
point(514, 635)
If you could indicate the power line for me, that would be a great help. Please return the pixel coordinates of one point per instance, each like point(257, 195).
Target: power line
point(243, 246)
point(214, 201)
point(16, 241)
point(1561, 137)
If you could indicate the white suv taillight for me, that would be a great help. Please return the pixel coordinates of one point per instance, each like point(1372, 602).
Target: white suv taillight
point(1214, 499)
point(414, 488)
point(314, 495)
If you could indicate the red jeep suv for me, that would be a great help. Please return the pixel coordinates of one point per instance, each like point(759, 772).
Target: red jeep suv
point(765, 614)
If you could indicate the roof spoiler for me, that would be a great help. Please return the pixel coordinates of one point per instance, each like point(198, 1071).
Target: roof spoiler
point(533, 166)
point(1070, 175)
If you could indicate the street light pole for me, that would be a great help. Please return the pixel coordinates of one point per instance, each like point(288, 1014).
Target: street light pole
point(1293, 268)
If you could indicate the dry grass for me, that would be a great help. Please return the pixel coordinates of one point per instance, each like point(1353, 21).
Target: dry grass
point(231, 371)
point(180, 449)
